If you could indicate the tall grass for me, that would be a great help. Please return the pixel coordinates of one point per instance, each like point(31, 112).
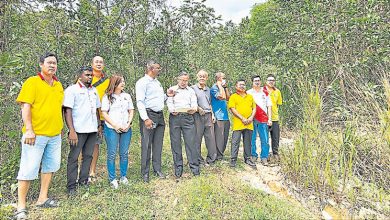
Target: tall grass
point(345, 162)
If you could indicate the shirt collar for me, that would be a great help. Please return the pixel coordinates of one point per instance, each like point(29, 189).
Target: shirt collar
point(42, 78)
point(204, 88)
point(82, 85)
point(100, 77)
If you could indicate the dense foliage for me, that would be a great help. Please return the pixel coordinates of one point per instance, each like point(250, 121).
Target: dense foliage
point(340, 47)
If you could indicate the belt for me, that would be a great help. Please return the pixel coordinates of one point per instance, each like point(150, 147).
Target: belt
point(150, 110)
point(181, 113)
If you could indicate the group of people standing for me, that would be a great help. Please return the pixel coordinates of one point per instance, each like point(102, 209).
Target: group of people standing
point(95, 105)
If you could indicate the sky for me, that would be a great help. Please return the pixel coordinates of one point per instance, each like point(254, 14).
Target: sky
point(233, 10)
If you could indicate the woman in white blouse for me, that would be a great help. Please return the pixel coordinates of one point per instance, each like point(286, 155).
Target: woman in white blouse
point(118, 111)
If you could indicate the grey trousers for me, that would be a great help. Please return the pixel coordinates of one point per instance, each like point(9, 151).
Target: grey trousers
point(85, 145)
point(178, 124)
point(275, 136)
point(221, 132)
point(151, 142)
point(236, 137)
point(205, 128)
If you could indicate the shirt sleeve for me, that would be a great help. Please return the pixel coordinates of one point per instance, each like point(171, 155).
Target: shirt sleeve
point(130, 103)
point(214, 91)
point(194, 99)
point(232, 102)
point(69, 97)
point(28, 92)
point(98, 104)
point(105, 104)
point(140, 95)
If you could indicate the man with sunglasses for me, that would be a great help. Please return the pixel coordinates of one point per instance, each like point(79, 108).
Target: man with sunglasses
point(276, 100)
point(81, 105)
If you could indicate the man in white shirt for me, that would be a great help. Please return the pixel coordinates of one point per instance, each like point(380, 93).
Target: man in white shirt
point(181, 120)
point(150, 103)
point(81, 102)
point(261, 120)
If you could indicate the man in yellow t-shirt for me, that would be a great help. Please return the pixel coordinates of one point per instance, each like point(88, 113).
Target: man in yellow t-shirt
point(243, 108)
point(100, 81)
point(276, 99)
point(41, 99)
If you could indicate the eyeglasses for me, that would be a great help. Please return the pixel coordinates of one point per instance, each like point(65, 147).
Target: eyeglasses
point(271, 80)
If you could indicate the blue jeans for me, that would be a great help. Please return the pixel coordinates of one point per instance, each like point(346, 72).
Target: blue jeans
point(262, 130)
point(113, 139)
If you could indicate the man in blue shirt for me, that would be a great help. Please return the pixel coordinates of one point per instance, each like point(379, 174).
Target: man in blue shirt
point(219, 96)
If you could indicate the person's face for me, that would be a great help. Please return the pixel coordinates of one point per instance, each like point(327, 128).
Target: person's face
point(240, 86)
point(182, 81)
point(271, 81)
point(121, 85)
point(256, 82)
point(49, 66)
point(156, 68)
point(86, 78)
point(202, 78)
point(97, 64)
point(222, 77)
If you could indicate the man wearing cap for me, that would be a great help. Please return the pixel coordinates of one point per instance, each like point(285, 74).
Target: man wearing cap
point(81, 116)
point(276, 99)
point(204, 119)
point(41, 99)
point(181, 107)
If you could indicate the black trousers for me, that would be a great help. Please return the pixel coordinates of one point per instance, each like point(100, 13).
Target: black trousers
point(221, 132)
point(152, 142)
point(236, 137)
point(178, 124)
point(85, 145)
point(275, 136)
point(205, 128)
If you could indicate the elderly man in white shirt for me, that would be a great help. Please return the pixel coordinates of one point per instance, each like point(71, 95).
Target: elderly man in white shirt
point(81, 102)
point(182, 106)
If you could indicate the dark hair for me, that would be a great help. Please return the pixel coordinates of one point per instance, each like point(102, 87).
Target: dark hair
point(271, 75)
point(254, 77)
point(83, 69)
point(46, 55)
point(115, 80)
point(240, 80)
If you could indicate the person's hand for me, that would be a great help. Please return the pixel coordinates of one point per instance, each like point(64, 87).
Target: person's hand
point(117, 128)
point(250, 119)
point(148, 123)
point(269, 122)
point(201, 111)
point(126, 128)
point(219, 83)
point(245, 121)
point(171, 93)
point(174, 113)
point(73, 140)
point(192, 111)
point(29, 137)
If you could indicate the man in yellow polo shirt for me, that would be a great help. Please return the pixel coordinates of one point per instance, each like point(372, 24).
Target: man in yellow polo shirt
point(276, 99)
point(41, 101)
point(243, 108)
point(100, 81)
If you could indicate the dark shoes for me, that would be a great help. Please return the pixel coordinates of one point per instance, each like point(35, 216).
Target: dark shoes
point(146, 178)
point(233, 163)
point(250, 163)
point(72, 192)
point(159, 174)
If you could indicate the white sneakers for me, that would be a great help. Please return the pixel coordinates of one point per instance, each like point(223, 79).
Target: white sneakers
point(123, 180)
point(114, 184)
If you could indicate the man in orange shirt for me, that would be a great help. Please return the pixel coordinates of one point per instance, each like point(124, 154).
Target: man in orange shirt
point(41, 99)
